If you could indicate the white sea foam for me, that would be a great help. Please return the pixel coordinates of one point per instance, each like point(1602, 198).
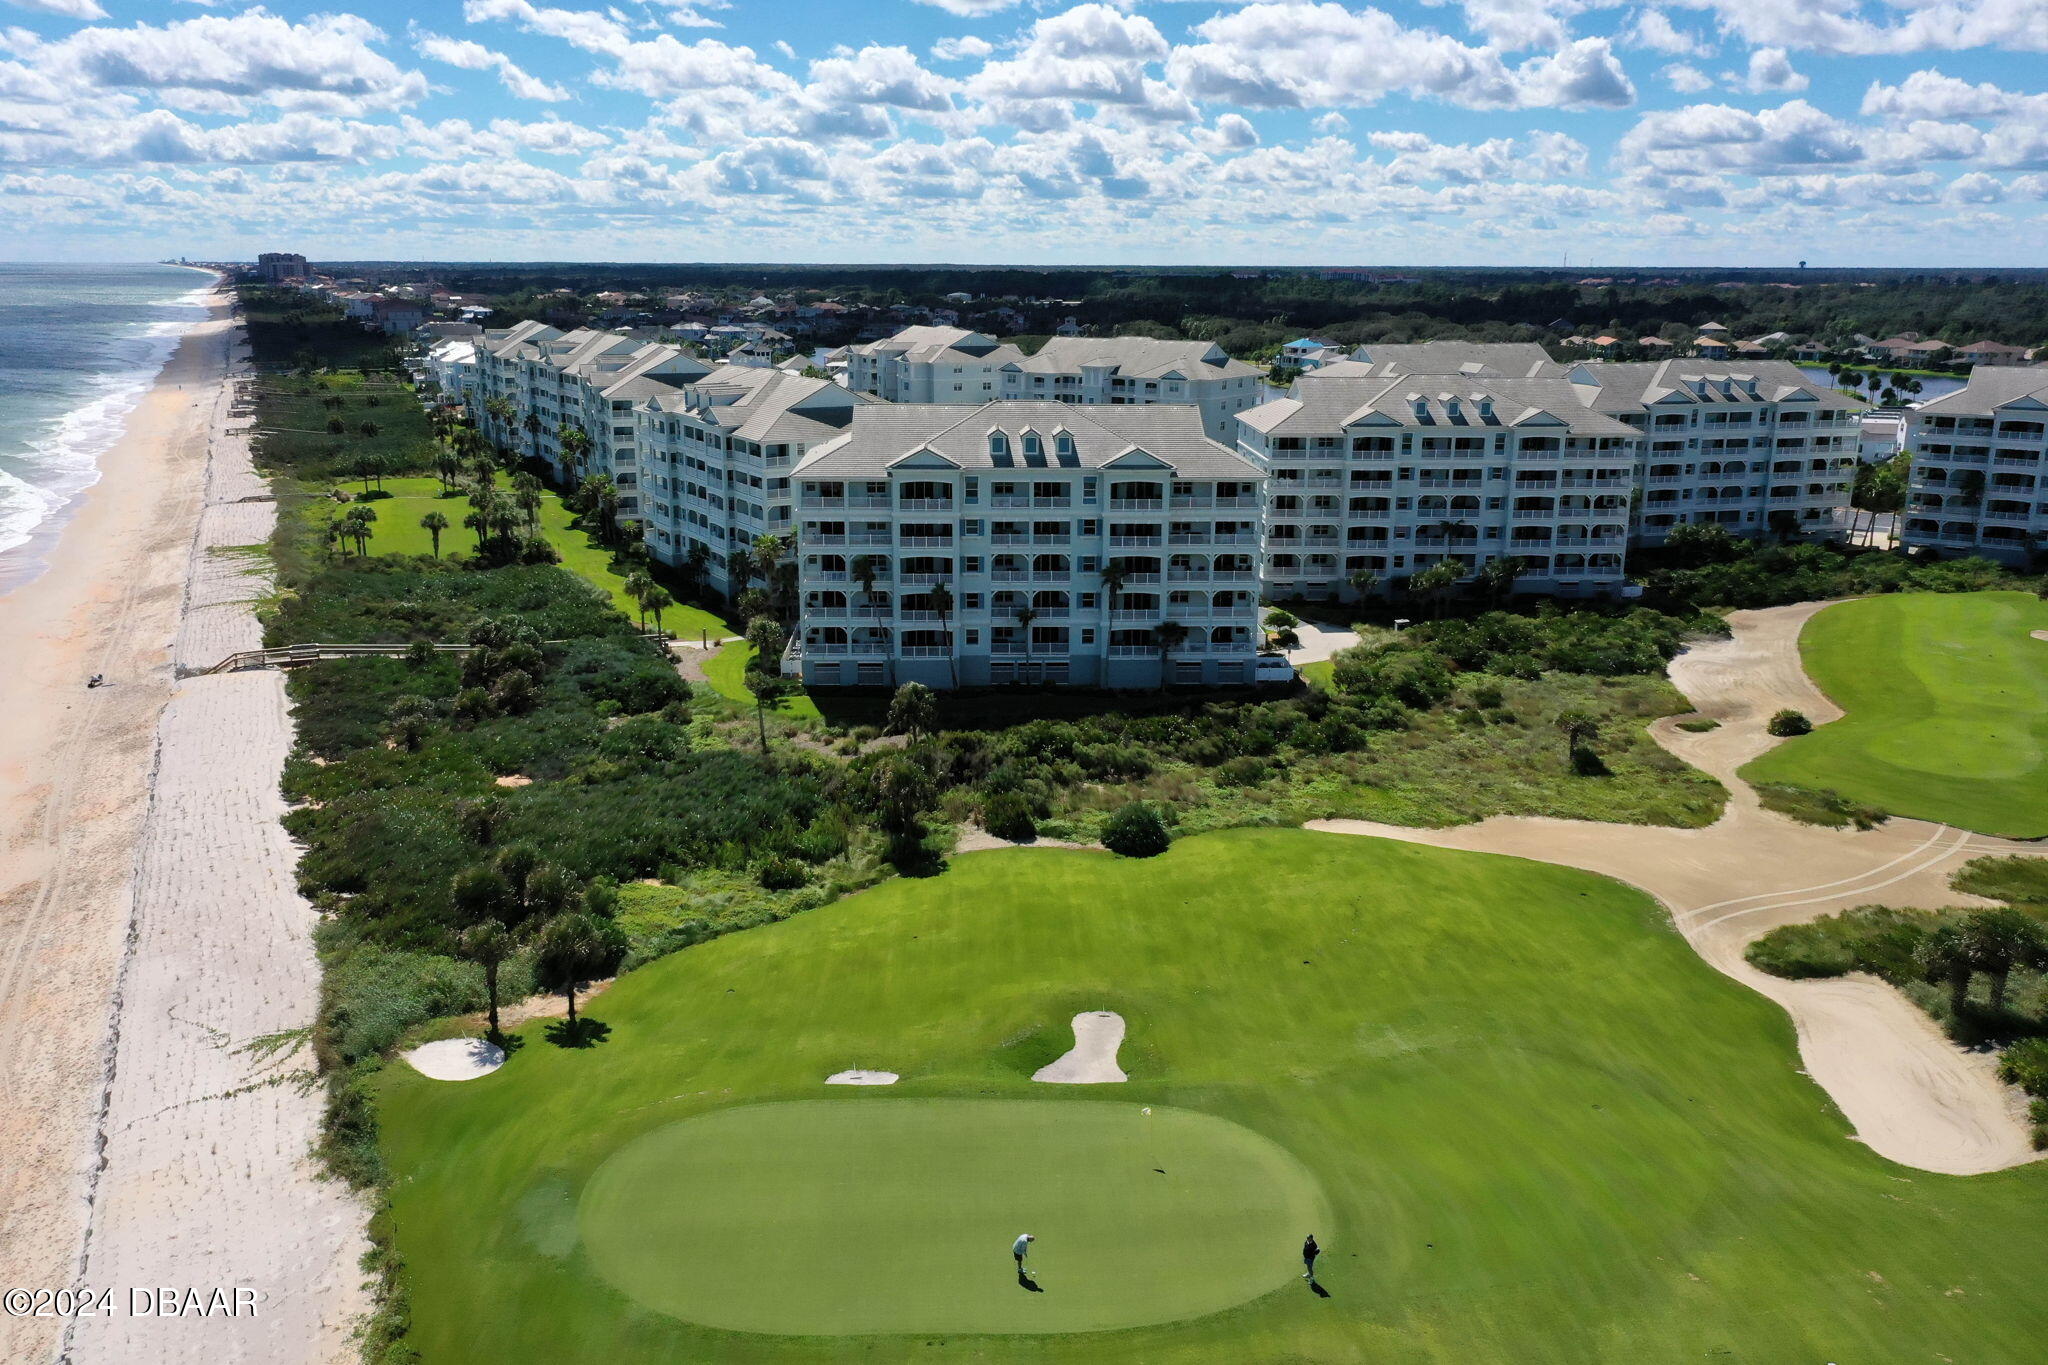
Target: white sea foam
point(63, 459)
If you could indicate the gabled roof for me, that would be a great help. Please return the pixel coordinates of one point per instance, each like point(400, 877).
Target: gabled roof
point(885, 435)
point(1991, 389)
point(1134, 358)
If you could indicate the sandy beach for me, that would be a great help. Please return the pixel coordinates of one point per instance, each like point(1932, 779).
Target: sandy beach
point(152, 946)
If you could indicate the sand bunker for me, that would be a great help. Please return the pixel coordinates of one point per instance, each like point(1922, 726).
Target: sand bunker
point(862, 1078)
point(2039, 634)
point(1092, 1060)
point(456, 1059)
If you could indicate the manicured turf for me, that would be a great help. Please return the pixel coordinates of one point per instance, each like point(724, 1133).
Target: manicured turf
point(397, 531)
point(1142, 1215)
point(1946, 698)
point(727, 673)
point(1545, 1130)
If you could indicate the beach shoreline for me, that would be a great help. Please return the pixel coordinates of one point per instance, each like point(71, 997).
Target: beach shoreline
point(150, 931)
point(23, 563)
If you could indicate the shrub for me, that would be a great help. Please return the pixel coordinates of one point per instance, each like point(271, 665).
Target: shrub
point(2025, 1064)
point(1007, 815)
point(1136, 831)
point(1700, 726)
point(781, 874)
point(1244, 771)
point(1789, 723)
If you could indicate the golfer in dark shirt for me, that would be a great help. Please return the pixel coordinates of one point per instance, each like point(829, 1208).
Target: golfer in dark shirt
point(1309, 1252)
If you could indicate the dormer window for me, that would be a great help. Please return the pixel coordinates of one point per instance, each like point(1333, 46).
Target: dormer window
point(1453, 409)
point(998, 446)
point(1486, 409)
point(1063, 446)
point(1421, 406)
point(1034, 449)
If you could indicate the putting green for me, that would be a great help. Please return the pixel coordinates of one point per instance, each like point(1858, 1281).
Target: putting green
point(834, 1217)
point(1946, 702)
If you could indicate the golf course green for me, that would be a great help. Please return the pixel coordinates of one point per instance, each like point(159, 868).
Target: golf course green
point(1946, 702)
point(1142, 1215)
point(1524, 1119)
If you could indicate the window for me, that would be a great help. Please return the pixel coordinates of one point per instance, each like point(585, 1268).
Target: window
point(998, 446)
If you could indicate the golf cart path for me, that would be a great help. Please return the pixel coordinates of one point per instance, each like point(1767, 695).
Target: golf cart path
point(1910, 1094)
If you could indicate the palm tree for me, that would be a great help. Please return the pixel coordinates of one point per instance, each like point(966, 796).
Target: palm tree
point(1168, 636)
point(913, 712)
point(638, 585)
point(695, 562)
point(434, 523)
point(533, 430)
point(575, 443)
point(864, 573)
point(490, 945)
point(1365, 582)
point(575, 948)
point(768, 688)
point(1497, 577)
point(1114, 575)
point(1579, 731)
point(1999, 940)
point(600, 496)
point(739, 571)
point(656, 602)
point(1025, 616)
point(1944, 958)
point(1434, 582)
point(942, 602)
point(527, 496)
point(447, 465)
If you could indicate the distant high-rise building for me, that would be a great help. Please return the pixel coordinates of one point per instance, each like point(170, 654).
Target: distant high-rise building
point(277, 266)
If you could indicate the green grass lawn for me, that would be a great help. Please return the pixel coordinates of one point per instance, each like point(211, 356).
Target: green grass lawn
point(398, 532)
point(1543, 1130)
point(727, 672)
point(1946, 698)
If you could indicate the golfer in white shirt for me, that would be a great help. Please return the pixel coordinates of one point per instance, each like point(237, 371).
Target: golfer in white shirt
point(1021, 1248)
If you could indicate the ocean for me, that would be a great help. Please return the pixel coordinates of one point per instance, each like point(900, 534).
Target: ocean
point(79, 345)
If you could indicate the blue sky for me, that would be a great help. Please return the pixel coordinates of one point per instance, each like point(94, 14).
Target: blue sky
point(1738, 132)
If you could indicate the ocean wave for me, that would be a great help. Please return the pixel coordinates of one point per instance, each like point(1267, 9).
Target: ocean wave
point(62, 461)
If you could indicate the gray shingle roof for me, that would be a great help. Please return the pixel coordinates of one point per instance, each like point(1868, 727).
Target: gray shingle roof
point(885, 433)
point(1509, 359)
point(1135, 358)
point(1990, 388)
point(1332, 403)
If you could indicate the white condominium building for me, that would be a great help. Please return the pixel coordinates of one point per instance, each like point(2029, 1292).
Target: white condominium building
point(1980, 468)
point(585, 379)
point(1378, 468)
point(718, 452)
point(1388, 475)
point(960, 545)
point(1755, 446)
point(948, 365)
point(1130, 371)
point(930, 365)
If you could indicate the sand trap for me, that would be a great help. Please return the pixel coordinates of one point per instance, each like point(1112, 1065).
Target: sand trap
point(456, 1059)
point(515, 780)
point(862, 1078)
point(1092, 1060)
point(2039, 634)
